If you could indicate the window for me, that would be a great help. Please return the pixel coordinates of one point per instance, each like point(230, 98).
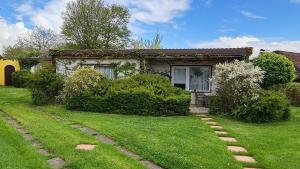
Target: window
point(179, 79)
point(199, 78)
point(109, 71)
point(192, 77)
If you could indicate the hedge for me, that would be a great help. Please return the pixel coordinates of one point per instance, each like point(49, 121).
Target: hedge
point(138, 102)
point(140, 95)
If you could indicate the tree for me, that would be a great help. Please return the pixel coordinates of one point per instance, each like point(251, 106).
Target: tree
point(279, 69)
point(23, 55)
point(148, 44)
point(17, 52)
point(90, 24)
point(40, 39)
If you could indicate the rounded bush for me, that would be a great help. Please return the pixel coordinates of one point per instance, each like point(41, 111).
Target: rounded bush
point(278, 69)
point(21, 79)
point(85, 81)
point(45, 85)
point(268, 107)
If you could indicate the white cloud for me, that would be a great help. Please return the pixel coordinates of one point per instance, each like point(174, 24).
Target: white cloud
point(146, 11)
point(250, 41)
point(251, 15)
point(154, 11)
point(295, 1)
point(9, 32)
point(48, 16)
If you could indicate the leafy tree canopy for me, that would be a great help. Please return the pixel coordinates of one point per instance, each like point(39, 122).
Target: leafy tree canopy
point(155, 43)
point(92, 25)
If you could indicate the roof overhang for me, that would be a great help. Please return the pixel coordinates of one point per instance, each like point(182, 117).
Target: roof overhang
point(212, 53)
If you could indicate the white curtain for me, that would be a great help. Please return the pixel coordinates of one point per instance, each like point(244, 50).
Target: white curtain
point(106, 70)
point(199, 78)
point(179, 76)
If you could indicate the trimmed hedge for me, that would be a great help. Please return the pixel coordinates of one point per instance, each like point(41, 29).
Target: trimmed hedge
point(133, 102)
point(139, 95)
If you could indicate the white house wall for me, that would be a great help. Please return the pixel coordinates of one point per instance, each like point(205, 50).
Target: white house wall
point(69, 66)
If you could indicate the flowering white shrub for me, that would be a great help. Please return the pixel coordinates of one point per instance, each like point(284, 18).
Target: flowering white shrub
point(83, 81)
point(235, 83)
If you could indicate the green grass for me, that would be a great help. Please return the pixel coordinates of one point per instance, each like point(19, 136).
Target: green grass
point(61, 139)
point(274, 145)
point(172, 142)
point(15, 152)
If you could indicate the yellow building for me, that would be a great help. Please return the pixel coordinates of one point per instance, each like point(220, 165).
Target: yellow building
point(7, 67)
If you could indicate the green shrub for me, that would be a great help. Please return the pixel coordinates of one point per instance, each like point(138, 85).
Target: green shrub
point(279, 69)
point(270, 106)
point(21, 79)
point(45, 85)
point(214, 105)
point(292, 91)
point(139, 95)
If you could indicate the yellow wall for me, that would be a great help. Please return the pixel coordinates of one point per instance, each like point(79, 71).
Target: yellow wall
point(3, 64)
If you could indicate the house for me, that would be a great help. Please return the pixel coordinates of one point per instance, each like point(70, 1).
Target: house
point(295, 58)
point(7, 67)
point(190, 69)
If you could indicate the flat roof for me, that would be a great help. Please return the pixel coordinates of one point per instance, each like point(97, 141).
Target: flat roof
point(154, 53)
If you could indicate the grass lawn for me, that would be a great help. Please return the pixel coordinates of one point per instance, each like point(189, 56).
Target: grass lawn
point(59, 138)
point(171, 142)
point(15, 152)
point(275, 145)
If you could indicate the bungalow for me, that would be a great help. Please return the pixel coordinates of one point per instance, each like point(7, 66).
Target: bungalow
point(190, 69)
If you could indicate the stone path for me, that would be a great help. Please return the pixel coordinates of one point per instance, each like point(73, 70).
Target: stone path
point(223, 135)
point(54, 161)
point(106, 140)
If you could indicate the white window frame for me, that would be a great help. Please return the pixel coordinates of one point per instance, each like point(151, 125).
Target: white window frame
point(187, 79)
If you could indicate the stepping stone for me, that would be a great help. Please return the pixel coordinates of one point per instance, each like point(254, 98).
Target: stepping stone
point(77, 126)
point(206, 119)
point(245, 159)
point(87, 147)
point(105, 139)
point(28, 137)
point(221, 132)
point(23, 131)
point(150, 164)
point(56, 117)
point(216, 127)
point(89, 131)
point(237, 149)
point(36, 144)
point(44, 152)
point(56, 163)
point(211, 123)
point(228, 139)
point(129, 153)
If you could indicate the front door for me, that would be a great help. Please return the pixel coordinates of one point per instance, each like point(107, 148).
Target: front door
point(8, 74)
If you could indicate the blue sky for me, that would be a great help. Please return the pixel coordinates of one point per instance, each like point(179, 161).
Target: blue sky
point(269, 24)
